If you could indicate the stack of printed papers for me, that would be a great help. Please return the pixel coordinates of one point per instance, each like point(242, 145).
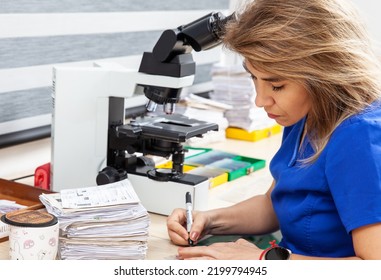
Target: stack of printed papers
point(234, 86)
point(100, 222)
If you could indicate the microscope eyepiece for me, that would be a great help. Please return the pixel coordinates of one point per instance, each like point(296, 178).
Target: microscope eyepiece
point(171, 56)
point(204, 33)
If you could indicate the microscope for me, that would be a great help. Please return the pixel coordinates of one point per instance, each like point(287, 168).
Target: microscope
point(91, 144)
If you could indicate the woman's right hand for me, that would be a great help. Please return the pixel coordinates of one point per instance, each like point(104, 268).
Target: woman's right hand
point(176, 226)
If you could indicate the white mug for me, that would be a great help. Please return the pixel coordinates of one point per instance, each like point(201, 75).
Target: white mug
point(32, 240)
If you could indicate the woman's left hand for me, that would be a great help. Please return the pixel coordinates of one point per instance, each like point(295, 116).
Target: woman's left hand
point(238, 250)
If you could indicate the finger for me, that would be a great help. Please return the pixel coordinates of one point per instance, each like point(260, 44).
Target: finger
point(175, 227)
point(178, 215)
point(194, 252)
point(178, 239)
point(197, 227)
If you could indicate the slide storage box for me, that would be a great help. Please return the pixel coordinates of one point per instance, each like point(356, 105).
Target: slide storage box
point(218, 166)
point(234, 165)
point(245, 166)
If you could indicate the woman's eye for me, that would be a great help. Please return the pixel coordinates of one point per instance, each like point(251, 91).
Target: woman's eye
point(277, 88)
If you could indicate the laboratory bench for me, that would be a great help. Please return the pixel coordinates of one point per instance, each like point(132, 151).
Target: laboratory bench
point(18, 164)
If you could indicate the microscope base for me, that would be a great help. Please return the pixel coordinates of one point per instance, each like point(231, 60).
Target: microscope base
point(163, 197)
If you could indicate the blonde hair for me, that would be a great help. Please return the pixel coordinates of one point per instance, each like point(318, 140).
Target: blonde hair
point(321, 44)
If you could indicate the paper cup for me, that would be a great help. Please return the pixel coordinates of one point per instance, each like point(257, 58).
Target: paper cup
point(33, 235)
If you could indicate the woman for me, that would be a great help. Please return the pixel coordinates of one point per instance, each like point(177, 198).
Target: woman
point(316, 74)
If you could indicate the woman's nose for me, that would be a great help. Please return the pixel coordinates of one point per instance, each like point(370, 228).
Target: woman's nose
point(262, 99)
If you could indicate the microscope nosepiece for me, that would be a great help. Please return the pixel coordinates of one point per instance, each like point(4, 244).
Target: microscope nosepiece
point(162, 95)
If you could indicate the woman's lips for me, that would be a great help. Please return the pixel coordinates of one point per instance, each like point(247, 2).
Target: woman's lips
point(272, 116)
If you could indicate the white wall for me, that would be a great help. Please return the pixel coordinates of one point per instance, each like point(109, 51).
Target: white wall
point(370, 12)
point(37, 34)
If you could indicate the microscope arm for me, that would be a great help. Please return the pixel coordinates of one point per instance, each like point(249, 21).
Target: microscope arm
point(171, 56)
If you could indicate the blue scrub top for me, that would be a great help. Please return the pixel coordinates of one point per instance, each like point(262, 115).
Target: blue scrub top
point(318, 205)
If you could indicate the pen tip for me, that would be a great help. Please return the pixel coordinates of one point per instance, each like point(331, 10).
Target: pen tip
point(190, 242)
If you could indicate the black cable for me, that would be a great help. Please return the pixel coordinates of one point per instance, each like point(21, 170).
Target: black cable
point(23, 177)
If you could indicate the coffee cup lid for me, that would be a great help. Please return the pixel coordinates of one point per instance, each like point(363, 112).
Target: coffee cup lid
point(29, 218)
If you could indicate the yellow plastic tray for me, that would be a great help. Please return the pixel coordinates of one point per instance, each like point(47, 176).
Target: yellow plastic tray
point(255, 135)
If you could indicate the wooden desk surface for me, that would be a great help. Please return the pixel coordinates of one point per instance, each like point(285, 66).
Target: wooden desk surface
point(21, 160)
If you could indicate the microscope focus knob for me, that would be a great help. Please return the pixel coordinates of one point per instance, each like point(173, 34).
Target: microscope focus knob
point(110, 175)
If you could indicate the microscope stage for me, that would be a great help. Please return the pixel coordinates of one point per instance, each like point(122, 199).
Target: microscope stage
point(173, 128)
